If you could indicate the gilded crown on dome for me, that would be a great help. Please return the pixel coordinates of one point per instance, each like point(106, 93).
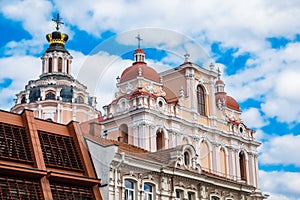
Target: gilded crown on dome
point(57, 37)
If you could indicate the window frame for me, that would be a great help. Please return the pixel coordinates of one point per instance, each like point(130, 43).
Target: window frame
point(180, 192)
point(50, 65)
point(193, 195)
point(60, 64)
point(127, 190)
point(187, 158)
point(201, 104)
point(149, 193)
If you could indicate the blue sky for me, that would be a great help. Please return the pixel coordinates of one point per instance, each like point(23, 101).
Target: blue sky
point(256, 45)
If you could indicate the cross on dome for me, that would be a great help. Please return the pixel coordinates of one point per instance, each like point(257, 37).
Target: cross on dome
point(138, 37)
point(58, 21)
point(219, 73)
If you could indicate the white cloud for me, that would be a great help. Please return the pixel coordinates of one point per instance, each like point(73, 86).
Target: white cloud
point(280, 185)
point(281, 150)
point(288, 84)
point(253, 118)
point(34, 15)
point(20, 69)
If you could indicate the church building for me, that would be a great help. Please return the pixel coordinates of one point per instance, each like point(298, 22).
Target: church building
point(174, 135)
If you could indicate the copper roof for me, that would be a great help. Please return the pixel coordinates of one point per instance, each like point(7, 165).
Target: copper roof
point(232, 103)
point(219, 82)
point(139, 50)
point(133, 71)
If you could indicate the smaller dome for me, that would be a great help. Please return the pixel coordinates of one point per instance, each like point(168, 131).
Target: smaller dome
point(139, 68)
point(219, 82)
point(139, 50)
point(232, 103)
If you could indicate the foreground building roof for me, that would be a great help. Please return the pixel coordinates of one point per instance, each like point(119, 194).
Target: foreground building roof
point(44, 160)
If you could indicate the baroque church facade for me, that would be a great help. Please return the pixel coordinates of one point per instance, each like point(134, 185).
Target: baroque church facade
point(169, 135)
point(174, 135)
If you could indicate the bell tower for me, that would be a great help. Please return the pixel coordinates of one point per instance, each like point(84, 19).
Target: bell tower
point(57, 96)
point(56, 59)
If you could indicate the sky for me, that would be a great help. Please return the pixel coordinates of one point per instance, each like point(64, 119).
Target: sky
point(256, 45)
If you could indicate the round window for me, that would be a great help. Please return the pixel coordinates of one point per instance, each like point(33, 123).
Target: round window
point(160, 103)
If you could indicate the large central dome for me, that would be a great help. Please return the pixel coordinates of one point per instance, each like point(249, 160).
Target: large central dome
point(139, 69)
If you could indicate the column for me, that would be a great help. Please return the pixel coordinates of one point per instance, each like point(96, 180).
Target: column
point(135, 135)
point(29, 123)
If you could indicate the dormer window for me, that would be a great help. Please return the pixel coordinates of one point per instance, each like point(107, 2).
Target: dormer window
point(23, 100)
point(186, 158)
point(50, 96)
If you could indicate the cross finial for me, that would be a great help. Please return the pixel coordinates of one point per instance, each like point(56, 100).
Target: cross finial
point(138, 37)
point(219, 73)
point(58, 21)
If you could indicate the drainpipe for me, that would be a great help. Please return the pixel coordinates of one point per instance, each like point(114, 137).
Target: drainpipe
point(116, 173)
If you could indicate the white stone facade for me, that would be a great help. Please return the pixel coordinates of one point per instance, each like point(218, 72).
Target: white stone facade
point(184, 106)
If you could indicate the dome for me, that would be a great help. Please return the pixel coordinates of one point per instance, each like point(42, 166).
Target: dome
point(232, 103)
point(219, 82)
point(139, 68)
point(139, 50)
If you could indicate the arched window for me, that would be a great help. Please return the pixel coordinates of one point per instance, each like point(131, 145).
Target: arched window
point(204, 156)
point(123, 133)
point(23, 100)
point(129, 190)
point(186, 158)
point(67, 70)
point(148, 189)
point(59, 66)
point(160, 140)
point(242, 162)
point(214, 198)
point(50, 65)
point(79, 99)
point(50, 95)
point(223, 162)
point(201, 100)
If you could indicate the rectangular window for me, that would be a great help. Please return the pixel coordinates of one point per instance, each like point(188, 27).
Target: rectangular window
point(191, 196)
point(66, 191)
point(148, 189)
point(14, 143)
point(19, 188)
point(60, 151)
point(129, 190)
point(179, 195)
